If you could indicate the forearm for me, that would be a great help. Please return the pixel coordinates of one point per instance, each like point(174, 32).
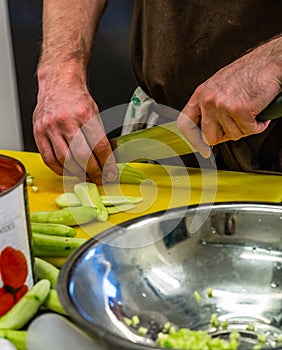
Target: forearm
point(227, 104)
point(69, 27)
point(276, 52)
point(269, 55)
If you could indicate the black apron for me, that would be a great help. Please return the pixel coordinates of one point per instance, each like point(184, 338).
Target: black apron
point(178, 44)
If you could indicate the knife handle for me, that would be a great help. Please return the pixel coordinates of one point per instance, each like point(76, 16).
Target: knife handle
point(273, 110)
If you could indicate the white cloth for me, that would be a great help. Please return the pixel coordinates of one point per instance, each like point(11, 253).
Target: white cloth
point(143, 112)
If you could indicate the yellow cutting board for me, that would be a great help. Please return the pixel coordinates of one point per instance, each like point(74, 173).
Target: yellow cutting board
point(171, 187)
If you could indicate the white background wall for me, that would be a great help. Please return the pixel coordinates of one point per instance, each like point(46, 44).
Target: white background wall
point(10, 126)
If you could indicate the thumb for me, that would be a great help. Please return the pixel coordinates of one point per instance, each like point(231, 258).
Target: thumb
point(187, 122)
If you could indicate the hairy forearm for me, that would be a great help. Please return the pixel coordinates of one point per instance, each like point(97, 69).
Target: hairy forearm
point(69, 27)
point(276, 51)
point(270, 54)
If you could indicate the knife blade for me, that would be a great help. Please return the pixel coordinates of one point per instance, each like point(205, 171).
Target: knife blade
point(166, 141)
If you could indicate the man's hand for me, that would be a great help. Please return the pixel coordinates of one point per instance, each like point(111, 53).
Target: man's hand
point(66, 123)
point(226, 105)
point(70, 136)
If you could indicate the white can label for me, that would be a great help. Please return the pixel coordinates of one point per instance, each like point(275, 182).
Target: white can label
point(15, 259)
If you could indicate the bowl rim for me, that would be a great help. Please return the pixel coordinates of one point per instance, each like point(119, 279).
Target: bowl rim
point(98, 331)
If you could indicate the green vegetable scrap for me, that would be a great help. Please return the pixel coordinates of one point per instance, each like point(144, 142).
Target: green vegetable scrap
point(67, 199)
point(70, 199)
point(117, 200)
point(214, 321)
point(166, 327)
point(34, 189)
point(185, 338)
point(119, 208)
point(142, 331)
point(130, 175)
point(29, 179)
point(89, 196)
point(262, 338)
point(127, 321)
point(209, 292)
point(197, 296)
point(278, 339)
point(135, 321)
point(250, 327)
point(257, 347)
point(224, 324)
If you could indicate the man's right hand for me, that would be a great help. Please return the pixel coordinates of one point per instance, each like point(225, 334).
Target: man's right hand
point(70, 135)
point(67, 128)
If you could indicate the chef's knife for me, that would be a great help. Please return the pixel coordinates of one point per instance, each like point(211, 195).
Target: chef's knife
point(166, 141)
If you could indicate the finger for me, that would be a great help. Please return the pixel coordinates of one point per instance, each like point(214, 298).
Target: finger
point(187, 123)
point(210, 127)
point(250, 126)
point(106, 158)
point(47, 153)
point(219, 127)
point(231, 129)
point(69, 163)
point(81, 158)
point(101, 148)
point(54, 156)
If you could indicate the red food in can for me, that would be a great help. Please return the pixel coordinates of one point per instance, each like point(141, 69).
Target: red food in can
point(7, 301)
point(16, 275)
point(10, 173)
point(21, 292)
point(14, 267)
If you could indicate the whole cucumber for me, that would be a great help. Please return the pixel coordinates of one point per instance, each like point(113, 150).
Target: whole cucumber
point(45, 270)
point(53, 229)
point(69, 216)
point(18, 338)
point(26, 307)
point(53, 303)
point(54, 246)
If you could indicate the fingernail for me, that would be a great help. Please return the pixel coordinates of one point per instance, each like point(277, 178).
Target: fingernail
point(206, 153)
point(111, 176)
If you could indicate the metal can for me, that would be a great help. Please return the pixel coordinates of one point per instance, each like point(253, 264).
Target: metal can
point(16, 268)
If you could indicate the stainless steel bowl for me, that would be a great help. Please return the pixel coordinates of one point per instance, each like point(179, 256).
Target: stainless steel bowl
point(152, 266)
